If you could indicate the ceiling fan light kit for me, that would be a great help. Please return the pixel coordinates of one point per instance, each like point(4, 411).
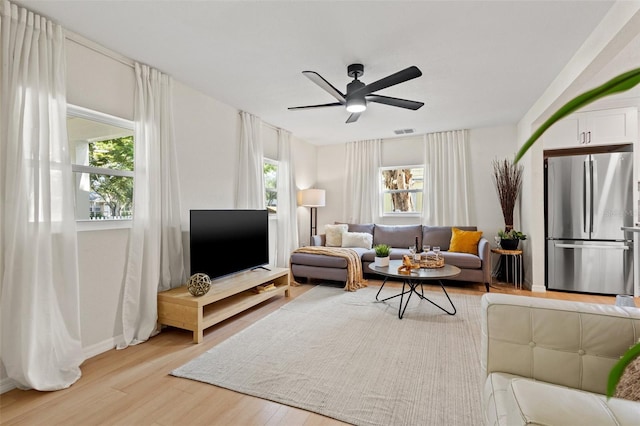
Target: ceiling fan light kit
point(356, 104)
point(358, 94)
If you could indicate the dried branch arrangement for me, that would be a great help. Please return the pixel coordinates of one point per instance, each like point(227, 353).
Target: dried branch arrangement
point(507, 176)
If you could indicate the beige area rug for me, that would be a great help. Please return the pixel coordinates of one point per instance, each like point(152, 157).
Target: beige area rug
point(343, 355)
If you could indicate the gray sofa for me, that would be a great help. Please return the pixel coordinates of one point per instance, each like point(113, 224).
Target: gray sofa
point(475, 268)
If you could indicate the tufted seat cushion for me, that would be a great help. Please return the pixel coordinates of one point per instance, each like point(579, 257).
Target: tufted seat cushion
point(523, 401)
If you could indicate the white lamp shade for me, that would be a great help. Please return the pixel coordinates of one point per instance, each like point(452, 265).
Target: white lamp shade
point(312, 197)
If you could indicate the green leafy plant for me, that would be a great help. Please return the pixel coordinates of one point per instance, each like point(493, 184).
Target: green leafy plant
point(511, 235)
point(618, 84)
point(382, 250)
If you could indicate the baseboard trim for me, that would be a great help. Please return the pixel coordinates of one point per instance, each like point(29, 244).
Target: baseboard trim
point(6, 384)
point(538, 288)
point(101, 347)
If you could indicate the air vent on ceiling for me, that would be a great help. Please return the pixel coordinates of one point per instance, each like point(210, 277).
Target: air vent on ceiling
point(403, 131)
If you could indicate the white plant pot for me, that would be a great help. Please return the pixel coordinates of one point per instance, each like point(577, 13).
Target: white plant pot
point(381, 261)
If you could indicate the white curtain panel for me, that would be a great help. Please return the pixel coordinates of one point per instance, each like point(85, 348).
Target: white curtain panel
point(154, 260)
point(448, 199)
point(362, 186)
point(250, 177)
point(287, 202)
point(39, 316)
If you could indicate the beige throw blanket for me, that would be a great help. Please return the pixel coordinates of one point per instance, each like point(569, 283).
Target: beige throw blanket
point(355, 279)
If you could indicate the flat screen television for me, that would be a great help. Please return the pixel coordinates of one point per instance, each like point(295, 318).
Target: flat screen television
point(223, 242)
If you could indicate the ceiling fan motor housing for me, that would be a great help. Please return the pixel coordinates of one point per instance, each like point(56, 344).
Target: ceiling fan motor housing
point(355, 70)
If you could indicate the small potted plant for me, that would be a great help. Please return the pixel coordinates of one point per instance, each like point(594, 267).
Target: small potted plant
point(509, 240)
point(382, 255)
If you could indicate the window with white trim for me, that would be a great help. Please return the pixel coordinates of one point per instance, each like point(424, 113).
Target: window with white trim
point(270, 170)
point(402, 190)
point(102, 148)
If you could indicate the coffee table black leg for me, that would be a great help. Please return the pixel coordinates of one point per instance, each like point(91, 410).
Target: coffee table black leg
point(412, 289)
point(438, 306)
point(383, 283)
point(392, 297)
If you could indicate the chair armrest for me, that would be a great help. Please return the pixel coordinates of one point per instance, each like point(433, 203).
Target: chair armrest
point(484, 252)
point(318, 240)
point(571, 344)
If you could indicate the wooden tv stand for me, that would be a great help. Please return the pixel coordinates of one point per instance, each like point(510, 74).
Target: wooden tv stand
point(227, 296)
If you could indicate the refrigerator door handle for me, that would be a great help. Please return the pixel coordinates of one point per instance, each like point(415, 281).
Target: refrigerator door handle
point(584, 197)
point(593, 246)
point(593, 189)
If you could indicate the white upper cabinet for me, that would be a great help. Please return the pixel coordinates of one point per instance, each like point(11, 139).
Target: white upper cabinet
point(603, 127)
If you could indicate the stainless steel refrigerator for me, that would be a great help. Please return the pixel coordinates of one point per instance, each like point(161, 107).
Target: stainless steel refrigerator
point(589, 197)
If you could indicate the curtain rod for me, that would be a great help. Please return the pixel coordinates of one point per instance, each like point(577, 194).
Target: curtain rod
point(82, 41)
point(264, 123)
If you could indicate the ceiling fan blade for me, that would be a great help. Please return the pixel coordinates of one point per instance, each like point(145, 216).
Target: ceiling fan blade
point(397, 78)
point(353, 117)
point(324, 84)
point(397, 102)
point(316, 106)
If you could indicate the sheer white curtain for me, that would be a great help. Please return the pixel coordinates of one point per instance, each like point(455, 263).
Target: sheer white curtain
point(154, 259)
point(40, 318)
point(250, 176)
point(362, 186)
point(287, 202)
point(448, 199)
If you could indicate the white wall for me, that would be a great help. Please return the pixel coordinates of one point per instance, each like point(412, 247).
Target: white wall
point(206, 134)
point(488, 144)
point(304, 159)
point(485, 145)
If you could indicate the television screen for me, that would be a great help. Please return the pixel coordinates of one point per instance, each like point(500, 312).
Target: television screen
point(226, 241)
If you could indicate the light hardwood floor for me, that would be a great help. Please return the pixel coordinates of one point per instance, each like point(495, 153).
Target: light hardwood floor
point(133, 386)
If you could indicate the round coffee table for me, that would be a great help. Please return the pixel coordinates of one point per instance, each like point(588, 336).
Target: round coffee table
point(412, 280)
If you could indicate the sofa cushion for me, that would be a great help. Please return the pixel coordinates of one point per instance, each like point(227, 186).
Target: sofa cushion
point(321, 260)
point(514, 400)
point(464, 241)
point(334, 234)
point(357, 239)
point(462, 260)
point(396, 254)
point(360, 227)
point(441, 235)
point(546, 404)
point(401, 236)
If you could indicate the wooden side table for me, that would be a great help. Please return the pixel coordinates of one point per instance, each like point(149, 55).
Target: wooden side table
point(515, 257)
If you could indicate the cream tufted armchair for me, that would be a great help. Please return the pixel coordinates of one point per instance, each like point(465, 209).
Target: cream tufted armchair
point(547, 362)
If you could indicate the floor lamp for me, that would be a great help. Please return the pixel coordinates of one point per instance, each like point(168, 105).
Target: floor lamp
point(312, 198)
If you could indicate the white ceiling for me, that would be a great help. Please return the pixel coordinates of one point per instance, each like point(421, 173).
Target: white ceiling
point(484, 63)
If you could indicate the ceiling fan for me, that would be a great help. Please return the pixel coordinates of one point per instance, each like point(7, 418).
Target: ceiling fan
point(358, 94)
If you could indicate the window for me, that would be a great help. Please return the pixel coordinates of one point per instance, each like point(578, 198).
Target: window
point(270, 170)
point(101, 148)
point(402, 190)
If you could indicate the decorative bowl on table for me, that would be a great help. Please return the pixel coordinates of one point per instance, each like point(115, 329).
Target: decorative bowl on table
point(431, 260)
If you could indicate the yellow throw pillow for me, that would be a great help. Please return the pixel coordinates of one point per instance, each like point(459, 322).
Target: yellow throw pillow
point(464, 241)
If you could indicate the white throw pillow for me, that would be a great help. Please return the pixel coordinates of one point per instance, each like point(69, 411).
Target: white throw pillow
point(334, 233)
point(357, 239)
